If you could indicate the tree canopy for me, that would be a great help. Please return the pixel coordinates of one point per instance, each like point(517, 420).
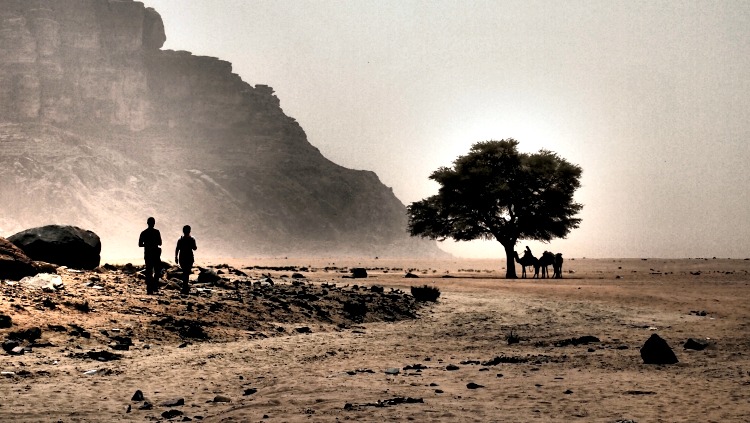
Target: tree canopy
point(496, 192)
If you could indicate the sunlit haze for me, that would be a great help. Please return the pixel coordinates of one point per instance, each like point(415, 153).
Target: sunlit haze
point(651, 99)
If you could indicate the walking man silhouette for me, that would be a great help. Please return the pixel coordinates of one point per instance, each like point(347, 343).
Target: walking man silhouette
point(150, 240)
point(183, 255)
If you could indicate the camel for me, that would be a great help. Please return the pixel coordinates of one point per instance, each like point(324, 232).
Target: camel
point(528, 260)
point(546, 260)
point(557, 266)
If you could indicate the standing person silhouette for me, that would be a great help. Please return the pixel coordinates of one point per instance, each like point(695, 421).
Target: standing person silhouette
point(150, 240)
point(183, 255)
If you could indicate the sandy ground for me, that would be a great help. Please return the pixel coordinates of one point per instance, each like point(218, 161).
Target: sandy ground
point(338, 373)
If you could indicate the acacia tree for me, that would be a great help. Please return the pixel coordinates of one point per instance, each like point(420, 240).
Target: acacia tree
point(496, 192)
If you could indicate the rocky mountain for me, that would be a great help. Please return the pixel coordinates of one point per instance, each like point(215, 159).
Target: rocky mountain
point(100, 128)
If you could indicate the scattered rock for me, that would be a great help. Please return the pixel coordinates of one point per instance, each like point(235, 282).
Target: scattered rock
point(97, 355)
point(392, 371)
point(250, 391)
point(451, 367)
point(410, 275)
point(47, 282)
point(503, 359)
point(695, 344)
point(417, 366)
point(359, 272)
point(656, 351)
point(385, 403)
point(222, 398)
point(583, 340)
point(5, 321)
point(175, 402)
point(170, 414)
point(208, 276)
point(30, 334)
point(472, 385)
point(9, 345)
point(137, 396)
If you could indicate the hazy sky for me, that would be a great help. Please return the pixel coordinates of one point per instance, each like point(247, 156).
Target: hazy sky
point(651, 99)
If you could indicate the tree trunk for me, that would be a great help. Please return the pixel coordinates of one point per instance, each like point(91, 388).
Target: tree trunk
point(510, 254)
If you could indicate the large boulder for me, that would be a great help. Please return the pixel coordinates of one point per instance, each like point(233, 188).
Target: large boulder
point(14, 264)
point(62, 245)
point(656, 351)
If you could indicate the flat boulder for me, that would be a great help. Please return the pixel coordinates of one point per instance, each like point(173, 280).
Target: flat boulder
point(656, 351)
point(62, 245)
point(14, 263)
point(695, 344)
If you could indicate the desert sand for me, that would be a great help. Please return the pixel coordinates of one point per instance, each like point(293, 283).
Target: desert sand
point(247, 369)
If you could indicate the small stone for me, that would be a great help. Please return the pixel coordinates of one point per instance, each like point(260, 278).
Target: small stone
point(170, 414)
point(146, 406)
point(222, 398)
point(250, 391)
point(451, 367)
point(9, 345)
point(392, 371)
point(5, 321)
point(472, 385)
point(17, 351)
point(175, 402)
point(695, 344)
point(568, 392)
point(137, 396)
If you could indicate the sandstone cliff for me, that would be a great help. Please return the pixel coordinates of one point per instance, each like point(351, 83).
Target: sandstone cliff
point(100, 128)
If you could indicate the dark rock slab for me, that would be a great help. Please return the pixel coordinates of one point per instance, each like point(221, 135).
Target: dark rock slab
point(174, 402)
point(695, 344)
point(62, 245)
point(359, 272)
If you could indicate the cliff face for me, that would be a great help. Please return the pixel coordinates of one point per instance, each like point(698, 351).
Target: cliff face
point(101, 129)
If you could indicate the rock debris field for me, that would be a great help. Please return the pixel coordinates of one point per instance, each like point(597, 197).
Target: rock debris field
point(282, 342)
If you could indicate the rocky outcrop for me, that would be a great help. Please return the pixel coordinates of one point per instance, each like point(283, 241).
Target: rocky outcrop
point(101, 128)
